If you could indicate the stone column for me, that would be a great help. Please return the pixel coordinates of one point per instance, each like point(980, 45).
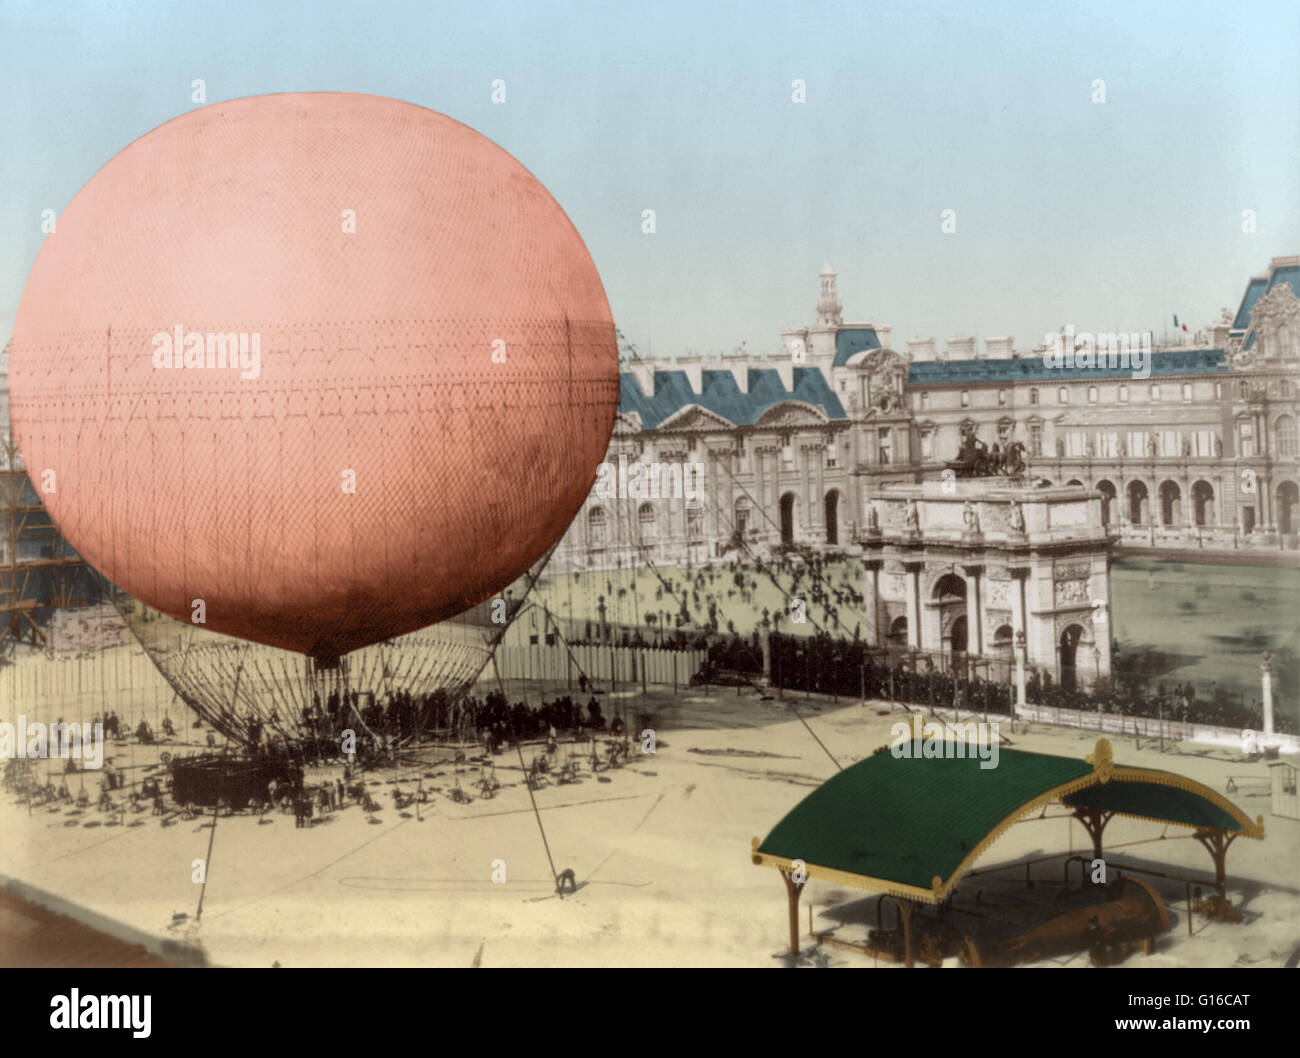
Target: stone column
point(1019, 577)
point(765, 641)
point(806, 522)
point(873, 634)
point(914, 603)
point(974, 611)
point(818, 511)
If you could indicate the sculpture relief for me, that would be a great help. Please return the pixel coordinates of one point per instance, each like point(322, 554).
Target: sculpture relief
point(1017, 517)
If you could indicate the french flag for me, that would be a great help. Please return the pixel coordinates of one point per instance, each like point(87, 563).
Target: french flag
point(1177, 324)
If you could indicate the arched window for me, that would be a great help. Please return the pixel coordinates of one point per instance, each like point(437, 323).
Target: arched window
point(1033, 396)
point(1062, 395)
point(1092, 394)
point(965, 398)
point(1286, 436)
point(1002, 397)
point(695, 523)
point(645, 517)
point(741, 522)
point(1155, 390)
point(597, 522)
point(1123, 394)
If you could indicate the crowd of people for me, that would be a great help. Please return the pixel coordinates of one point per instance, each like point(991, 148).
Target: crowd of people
point(696, 604)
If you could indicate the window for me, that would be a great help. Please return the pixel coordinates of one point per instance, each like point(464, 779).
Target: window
point(1002, 397)
point(1286, 437)
point(1092, 394)
point(742, 514)
point(1123, 394)
point(965, 398)
point(695, 523)
point(1187, 391)
point(1062, 395)
point(1155, 390)
point(1242, 391)
point(1033, 396)
point(1035, 438)
point(886, 446)
point(925, 400)
point(1218, 391)
point(832, 455)
point(1246, 439)
point(645, 517)
point(596, 523)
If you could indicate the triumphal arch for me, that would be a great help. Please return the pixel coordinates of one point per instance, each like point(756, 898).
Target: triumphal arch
point(980, 569)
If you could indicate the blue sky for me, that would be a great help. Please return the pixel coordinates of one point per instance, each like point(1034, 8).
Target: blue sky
point(1106, 216)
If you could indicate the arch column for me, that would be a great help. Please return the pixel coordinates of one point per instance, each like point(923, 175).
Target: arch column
point(974, 610)
point(913, 580)
point(1020, 577)
point(874, 634)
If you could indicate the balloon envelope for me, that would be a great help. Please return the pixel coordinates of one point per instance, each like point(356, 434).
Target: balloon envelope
point(335, 365)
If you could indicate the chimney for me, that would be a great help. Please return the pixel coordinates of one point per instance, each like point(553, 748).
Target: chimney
point(961, 348)
point(883, 333)
point(739, 367)
point(694, 369)
point(785, 369)
point(998, 348)
point(644, 373)
point(921, 349)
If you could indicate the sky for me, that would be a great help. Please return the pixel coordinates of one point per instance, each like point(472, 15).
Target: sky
point(1107, 215)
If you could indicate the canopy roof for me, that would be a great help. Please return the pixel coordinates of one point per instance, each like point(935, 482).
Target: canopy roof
point(913, 827)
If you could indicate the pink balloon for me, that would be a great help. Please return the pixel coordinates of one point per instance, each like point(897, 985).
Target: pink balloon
point(435, 378)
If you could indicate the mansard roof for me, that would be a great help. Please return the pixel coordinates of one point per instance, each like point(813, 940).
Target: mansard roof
point(1256, 289)
point(1032, 369)
point(720, 395)
point(852, 340)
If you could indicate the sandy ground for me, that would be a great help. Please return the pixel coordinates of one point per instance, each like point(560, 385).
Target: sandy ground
point(660, 853)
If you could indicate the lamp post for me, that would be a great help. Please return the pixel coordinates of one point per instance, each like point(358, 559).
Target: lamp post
point(1266, 689)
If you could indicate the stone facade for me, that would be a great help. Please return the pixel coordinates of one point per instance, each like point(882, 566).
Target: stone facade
point(1200, 454)
point(985, 568)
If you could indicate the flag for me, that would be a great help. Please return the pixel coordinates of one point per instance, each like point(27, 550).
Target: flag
point(1177, 324)
point(1175, 321)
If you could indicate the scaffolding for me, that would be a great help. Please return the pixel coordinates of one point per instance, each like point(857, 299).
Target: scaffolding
point(39, 570)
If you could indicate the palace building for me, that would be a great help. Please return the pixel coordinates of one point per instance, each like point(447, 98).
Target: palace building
point(1197, 451)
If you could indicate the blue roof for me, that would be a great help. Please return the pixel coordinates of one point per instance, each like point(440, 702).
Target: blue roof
point(1032, 368)
point(720, 395)
point(1256, 288)
point(851, 340)
point(1253, 290)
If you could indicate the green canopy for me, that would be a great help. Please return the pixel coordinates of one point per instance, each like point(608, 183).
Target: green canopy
point(913, 826)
